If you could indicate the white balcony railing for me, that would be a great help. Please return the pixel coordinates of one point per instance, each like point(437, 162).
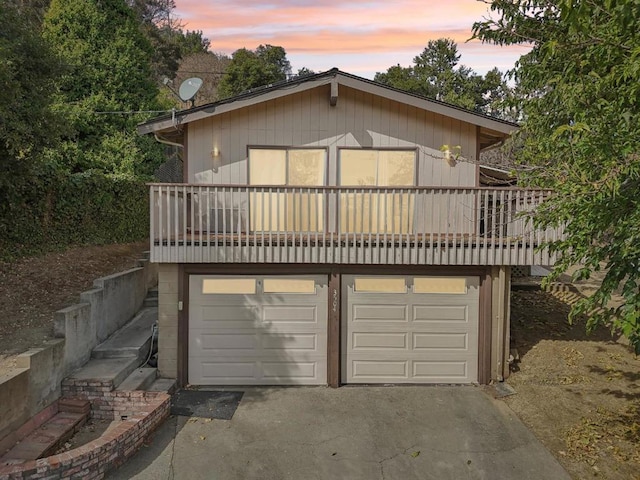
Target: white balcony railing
point(353, 225)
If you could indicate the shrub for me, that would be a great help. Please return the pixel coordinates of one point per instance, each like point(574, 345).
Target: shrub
point(50, 210)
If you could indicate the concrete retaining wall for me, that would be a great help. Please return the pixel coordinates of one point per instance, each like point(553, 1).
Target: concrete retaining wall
point(35, 383)
point(14, 388)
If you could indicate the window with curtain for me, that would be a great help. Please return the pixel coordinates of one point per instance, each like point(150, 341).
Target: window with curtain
point(376, 211)
point(286, 210)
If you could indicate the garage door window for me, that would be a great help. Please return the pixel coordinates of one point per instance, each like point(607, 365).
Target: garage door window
point(380, 285)
point(227, 286)
point(452, 285)
point(289, 285)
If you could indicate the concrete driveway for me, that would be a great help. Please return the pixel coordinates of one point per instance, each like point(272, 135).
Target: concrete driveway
point(350, 433)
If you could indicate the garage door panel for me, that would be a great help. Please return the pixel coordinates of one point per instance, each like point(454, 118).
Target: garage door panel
point(440, 370)
point(291, 314)
point(431, 313)
point(260, 372)
point(226, 370)
point(375, 370)
point(441, 341)
point(386, 313)
point(227, 342)
point(290, 370)
point(382, 340)
point(300, 341)
point(226, 313)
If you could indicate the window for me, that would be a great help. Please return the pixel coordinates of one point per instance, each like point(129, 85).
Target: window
point(293, 166)
point(287, 211)
point(380, 285)
point(237, 286)
point(289, 285)
point(377, 168)
point(377, 211)
point(455, 285)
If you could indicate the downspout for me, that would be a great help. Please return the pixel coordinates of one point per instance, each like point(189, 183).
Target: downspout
point(167, 142)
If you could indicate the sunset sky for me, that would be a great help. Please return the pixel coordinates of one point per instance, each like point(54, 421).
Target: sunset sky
point(357, 36)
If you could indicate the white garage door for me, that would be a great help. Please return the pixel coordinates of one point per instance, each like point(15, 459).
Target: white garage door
point(257, 330)
point(410, 329)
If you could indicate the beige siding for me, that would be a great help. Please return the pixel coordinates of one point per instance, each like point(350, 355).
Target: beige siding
point(168, 320)
point(306, 119)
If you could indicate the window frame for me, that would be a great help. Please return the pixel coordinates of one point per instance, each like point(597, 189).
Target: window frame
point(416, 157)
point(287, 149)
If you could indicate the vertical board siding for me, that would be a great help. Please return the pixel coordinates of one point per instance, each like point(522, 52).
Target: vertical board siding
point(306, 119)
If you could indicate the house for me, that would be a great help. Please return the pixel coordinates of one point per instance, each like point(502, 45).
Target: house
point(332, 230)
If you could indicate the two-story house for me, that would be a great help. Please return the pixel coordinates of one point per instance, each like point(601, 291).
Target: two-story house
point(332, 230)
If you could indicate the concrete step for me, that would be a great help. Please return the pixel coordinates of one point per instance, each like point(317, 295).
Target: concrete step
point(46, 439)
point(152, 292)
point(150, 302)
point(111, 371)
point(166, 385)
point(132, 341)
point(139, 379)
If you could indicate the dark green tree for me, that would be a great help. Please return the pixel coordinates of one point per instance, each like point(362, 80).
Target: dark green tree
point(251, 69)
point(581, 137)
point(28, 69)
point(436, 73)
point(108, 77)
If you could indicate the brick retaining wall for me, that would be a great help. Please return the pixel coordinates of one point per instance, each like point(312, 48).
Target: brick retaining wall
point(136, 414)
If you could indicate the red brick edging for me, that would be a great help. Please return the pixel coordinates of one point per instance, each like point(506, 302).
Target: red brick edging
point(138, 413)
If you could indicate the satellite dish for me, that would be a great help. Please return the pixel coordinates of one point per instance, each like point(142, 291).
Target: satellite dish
point(189, 88)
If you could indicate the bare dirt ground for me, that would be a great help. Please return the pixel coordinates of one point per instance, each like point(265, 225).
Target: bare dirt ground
point(578, 393)
point(32, 289)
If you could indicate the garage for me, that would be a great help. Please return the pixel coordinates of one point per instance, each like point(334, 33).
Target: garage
point(410, 329)
point(257, 330)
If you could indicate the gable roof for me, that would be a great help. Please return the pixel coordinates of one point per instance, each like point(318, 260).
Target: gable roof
point(492, 130)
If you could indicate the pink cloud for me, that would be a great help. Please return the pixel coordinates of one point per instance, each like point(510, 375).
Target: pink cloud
point(323, 29)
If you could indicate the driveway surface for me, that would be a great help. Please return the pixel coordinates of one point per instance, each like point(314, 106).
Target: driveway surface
point(349, 433)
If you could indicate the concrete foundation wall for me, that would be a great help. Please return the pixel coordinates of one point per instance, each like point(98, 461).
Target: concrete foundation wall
point(168, 320)
point(35, 384)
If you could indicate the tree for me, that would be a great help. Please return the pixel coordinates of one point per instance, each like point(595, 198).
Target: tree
point(108, 79)
point(164, 31)
point(251, 69)
point(581, 137)
point(28, 69)
point(435, 73)
point(209, 67)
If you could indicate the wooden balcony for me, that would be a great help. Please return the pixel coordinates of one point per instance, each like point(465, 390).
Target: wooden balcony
point(347, 225)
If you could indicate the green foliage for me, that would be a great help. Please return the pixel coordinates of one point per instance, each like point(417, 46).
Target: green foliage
point(435, 73)
point(53, 210)
point(27, 72)
point(582, 137)
point(108, 71)
point(251, 69)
